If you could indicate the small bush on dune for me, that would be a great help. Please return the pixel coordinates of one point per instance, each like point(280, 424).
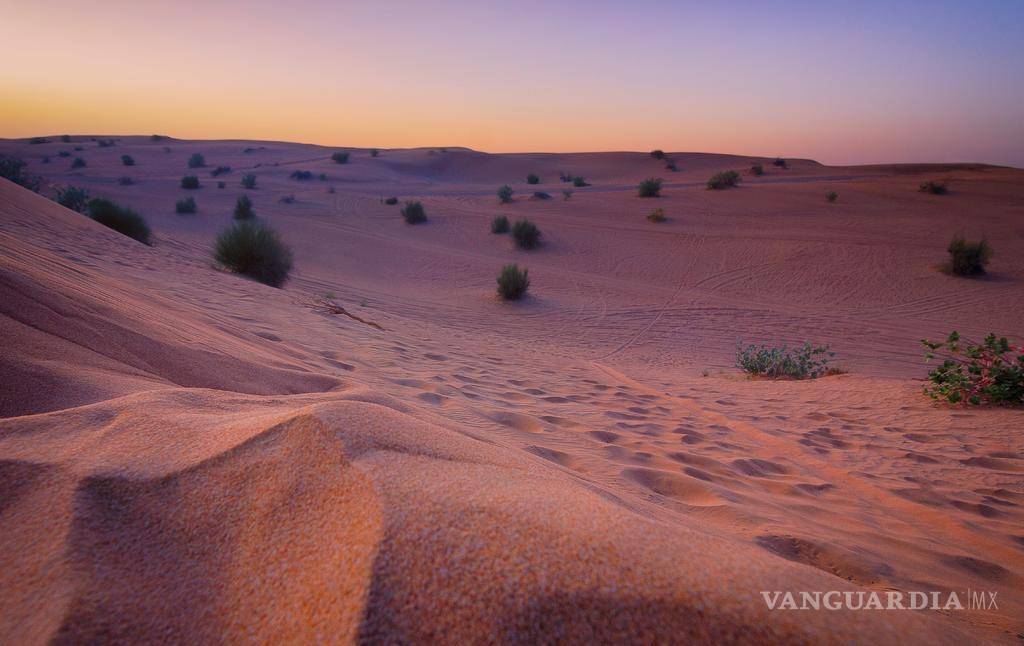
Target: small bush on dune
point(374, 152)
point(414, 213)
point(196, 161)
point(127, 160)
point(805, 362)
point(391, 201)
point(934, 188)
point(78, 163)
point(74, 198)
point(579, 182)
point(500, 224)
point(541, 195)
point(125, 181)
point(990, 372)
point(757, 170)
point(566, 194)
point(46, 160)
point(565, 177)
point(287, 199)
point(670, 165)
point(658, 154)
point(105, 143)
point(252, 249)
point(221, 184)
point(650, 187)
point(340, 158)
point(187, 205)
point(532, 179)
point(968, 258)
point(513, 282)
point(78, 149)
point(322, 177)
point(190, 182)
point(249, 181)
point(157, 137)
point(780, 162)
point(13, 170)
point(63, 153)
point(302, 175)
point(831, 196)
point(120, 219)
point(220, 170)
point(723, 180)
point(66, 138)
point(243, 208)
point(526, 234)
point(38, 140)
point(505, 194)
point(657, 215)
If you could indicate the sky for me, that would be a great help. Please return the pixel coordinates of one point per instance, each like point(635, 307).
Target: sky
point(840, 82)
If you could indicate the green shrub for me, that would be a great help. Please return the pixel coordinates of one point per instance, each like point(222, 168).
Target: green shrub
point(302, 175)
point(990, 372)
point(374, 152)
point(120, 219)
point(105, 143)
point(220, 170)
point(650, 187)
point(968, 258)
point(831, 196)
point(190, 182)
point(125, 181)
point(340, 158)
point(127, 160)
point(780, 162)
point(500, 224)
point(74, 198)
point(566, 194)
point(757, 170)
point(157, 137)
point(322, 177)
point(391, 201)
point(251, 248)
point(935, 188)
point(46, 160)
point(66, 138)
point(64, 153)
point(78, 149)
point(78, 163)
point(526, 234)
point(249, 181)
point(187, 205)
point(513, 282)
point(505, 194)
point(287, 199)
point(804, 362)
point(670, 165)
point(657, 215)
point(243, 208)
point(38, 140)
point(658, 154)
point(723, 180)
point(13, 170)
point(532, 179)
point(221, 184)
point(196, 161)
point(579, 182)
point(414, 213)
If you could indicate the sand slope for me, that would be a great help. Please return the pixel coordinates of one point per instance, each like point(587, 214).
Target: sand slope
point(186, 454)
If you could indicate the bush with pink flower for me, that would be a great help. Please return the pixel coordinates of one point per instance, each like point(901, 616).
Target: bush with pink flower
point(990, 372)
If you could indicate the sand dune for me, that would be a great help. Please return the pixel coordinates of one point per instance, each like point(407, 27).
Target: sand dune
point(186, 454)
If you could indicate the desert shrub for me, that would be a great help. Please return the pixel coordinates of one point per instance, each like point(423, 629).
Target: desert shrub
point(196, 161)
point(187, 205)
point(831, 196)
point(804, 362)
point(968, 258)
point(190, 182)
point(505, 194)
point(38, 140)
point(780, 162)
point(66, 138)
point(935, 188)
point(724, 180)
point(541, 195)
point(63, 153)
point(119, 218)
point(340, 158)
point(670, 165)
point(287, 199)
point(302, 175)
point(127, 160)
point(167, 149)
point(243, 208)
point(374, 152)
point(566, 194)
point(500, 224)
point(74, 198)
point(46, 160)
point(391, 201)
point(990, 372)
point(157, 137)
point(13, 170)
point(78, 163)
point(125, 181)
point(220, 170)
point(78, 149)
point(657, 215)
point(757, 170)
point(565, 177)
point(532, 178)
point(414, 213)
point(221, 184)
point(322, 177)
point(251, 248)
point(579, 182)
point(249, 181)
point(650, 187)
point(526, 234)
point(513, 282)
point(105, 143)
point(658, 154)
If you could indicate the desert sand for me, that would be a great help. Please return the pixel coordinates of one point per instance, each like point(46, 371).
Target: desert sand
point(189, 455)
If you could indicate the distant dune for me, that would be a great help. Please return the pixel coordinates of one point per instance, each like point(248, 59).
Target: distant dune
point(189, 455)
